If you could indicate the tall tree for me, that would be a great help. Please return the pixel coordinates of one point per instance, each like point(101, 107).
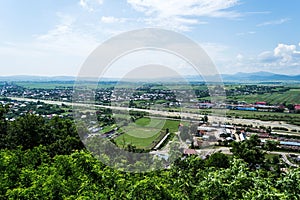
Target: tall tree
point(3, 125)
point(249, 150)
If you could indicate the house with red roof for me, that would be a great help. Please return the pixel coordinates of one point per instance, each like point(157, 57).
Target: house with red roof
point(297, 107)
point(189, 152)
point(263, 103)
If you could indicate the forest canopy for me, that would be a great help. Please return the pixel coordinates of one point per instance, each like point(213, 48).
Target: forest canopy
point(45, 159)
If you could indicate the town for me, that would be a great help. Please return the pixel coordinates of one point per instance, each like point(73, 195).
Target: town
point(150, 99)
point(198, 131)
point(149, 94)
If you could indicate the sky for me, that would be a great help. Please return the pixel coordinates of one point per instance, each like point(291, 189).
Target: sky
point(54, 38)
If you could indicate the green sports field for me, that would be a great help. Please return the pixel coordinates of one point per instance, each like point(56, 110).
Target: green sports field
point(145, 133)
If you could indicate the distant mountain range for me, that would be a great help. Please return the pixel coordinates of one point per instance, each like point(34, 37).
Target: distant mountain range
point(251, 77)
point(36, 78)
point(260, 76)
point(238, 77)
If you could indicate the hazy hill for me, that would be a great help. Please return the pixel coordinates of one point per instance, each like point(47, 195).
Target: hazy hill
point(238, 77)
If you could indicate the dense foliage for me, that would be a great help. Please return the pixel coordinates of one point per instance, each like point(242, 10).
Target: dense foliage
point(44, 159)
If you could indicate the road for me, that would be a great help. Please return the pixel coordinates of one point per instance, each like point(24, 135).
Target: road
point(164, 151)
point(221, 119)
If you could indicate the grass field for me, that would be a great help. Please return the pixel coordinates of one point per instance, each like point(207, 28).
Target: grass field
point(146, 132)
point(143, 121)
point(60, 84)
point(289, 97)
point(108, 128)
point(266, 116)
point(44, 85)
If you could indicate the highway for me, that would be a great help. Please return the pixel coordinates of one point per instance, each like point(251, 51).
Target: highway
point(165, 150)
point(183, 115)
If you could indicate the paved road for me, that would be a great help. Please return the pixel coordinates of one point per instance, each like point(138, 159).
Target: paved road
point(173, 114)
point(284, 133)
point(225, 150)
point(256, 122)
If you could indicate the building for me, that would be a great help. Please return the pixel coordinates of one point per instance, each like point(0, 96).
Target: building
point(189, 152)
point(297, 107)
point(262, 103)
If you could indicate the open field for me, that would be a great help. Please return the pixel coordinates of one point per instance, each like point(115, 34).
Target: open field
point(290, 118)
point(62, 84)
point(55, 84)
point(45, 85)
point(289, 97)
point(145, 133)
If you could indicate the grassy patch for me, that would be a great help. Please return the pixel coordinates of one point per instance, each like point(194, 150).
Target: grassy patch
point(143, 121)
point(291, 96)
point(266, 116)
point(108, 128)
point(45, 85)
point(146, 132)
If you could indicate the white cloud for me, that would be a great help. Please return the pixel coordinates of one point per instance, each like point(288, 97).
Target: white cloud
point(266, 57)
point(258, 12)
point(59, 51)
point(287, 55)
point(83, 3)
point(174, 23)
point(63, 27)
point(285, 52)
point(283, 58)
point(179, 14)
point(171, 8)
point(111, 19)
point(214, 48)
point(90, 5)
point(283, 55)
point(239, 57)
point(275, 22)
point(246, 33)
point(66, 38)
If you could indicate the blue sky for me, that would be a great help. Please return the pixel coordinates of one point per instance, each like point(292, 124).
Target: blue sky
point(55, 37)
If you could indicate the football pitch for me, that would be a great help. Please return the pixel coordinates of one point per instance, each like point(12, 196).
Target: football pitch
point(145, 133)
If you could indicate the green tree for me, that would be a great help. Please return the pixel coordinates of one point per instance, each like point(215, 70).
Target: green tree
point(205, 118)
point(271, 145)
point(26, 131)
point(3, 125)
point(249, 150)
point(218, 160)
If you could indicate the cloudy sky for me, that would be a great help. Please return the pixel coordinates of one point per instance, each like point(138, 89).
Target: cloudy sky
point(55, 37)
